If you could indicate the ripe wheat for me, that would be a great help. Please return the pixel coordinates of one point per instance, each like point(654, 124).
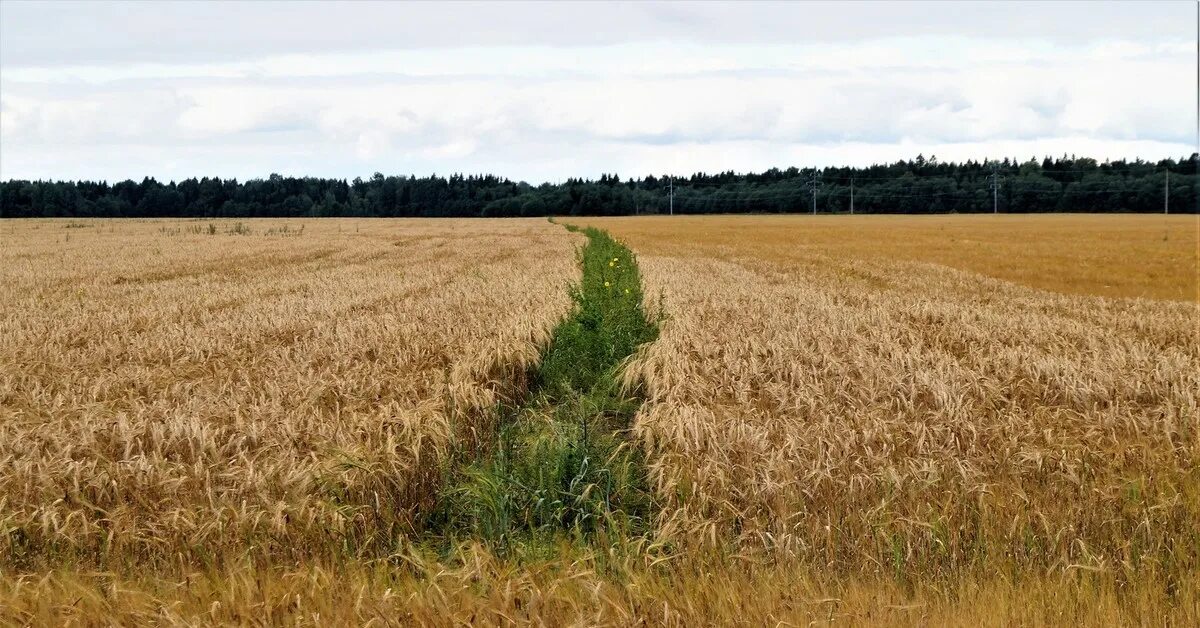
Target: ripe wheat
point(898, 420)
point(870, 414)
point(177, 395)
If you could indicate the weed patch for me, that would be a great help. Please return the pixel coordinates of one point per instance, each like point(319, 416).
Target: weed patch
point(560, 463)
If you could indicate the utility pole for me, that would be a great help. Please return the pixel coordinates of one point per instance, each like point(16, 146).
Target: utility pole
point(672, 188)
point(815, 183)
point(851, 196)
point(1167, 193)
point(995, 187)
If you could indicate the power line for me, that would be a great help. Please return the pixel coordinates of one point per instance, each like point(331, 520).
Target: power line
point(814, 184)
point(1047, 173)
point(732, 196)
point(1017, 185)
point(960, 195)
point(805, 192)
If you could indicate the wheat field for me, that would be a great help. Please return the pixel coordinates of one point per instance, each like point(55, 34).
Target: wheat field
point(284, 393)
point(824, 391)
point(943, 420)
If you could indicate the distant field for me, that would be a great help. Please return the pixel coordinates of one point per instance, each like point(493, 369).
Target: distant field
point(1114, 255)
point(937, 420)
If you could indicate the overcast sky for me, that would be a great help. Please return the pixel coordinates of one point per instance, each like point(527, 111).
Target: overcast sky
point(545, 91)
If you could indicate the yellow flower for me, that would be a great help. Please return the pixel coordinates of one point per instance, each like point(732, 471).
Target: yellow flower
point(627, 291)
point(606, 284)
point(610, 264)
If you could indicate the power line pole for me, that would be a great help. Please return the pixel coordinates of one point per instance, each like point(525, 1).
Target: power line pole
point(995, 187)
point(851, 196)
point(672, 188)
point(1167, 193)
point(815, 183)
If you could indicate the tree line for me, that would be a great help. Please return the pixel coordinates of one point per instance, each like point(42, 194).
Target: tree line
point(917, 186)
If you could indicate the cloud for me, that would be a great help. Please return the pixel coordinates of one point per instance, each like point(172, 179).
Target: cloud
point(720, 88)
point(37, 34)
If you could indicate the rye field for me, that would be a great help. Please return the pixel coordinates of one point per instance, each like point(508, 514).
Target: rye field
point(756, 420)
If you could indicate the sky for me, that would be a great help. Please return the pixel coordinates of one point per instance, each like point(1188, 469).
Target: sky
point(541, 92)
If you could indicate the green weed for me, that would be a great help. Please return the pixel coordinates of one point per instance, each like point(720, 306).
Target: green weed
point(560, 464)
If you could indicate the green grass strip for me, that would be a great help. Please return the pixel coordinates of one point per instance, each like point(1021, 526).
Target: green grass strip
point(561, 463)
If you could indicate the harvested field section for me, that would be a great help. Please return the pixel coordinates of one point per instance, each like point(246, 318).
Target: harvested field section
point(883, 416)
point(194, 391)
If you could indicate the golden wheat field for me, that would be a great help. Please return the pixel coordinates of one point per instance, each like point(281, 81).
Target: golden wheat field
point(173, 397)
point(951, 420)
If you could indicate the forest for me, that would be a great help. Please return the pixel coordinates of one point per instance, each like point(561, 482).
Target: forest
point(917, 186)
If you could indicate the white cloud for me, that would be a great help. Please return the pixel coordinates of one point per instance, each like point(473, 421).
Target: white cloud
point(691, 99)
